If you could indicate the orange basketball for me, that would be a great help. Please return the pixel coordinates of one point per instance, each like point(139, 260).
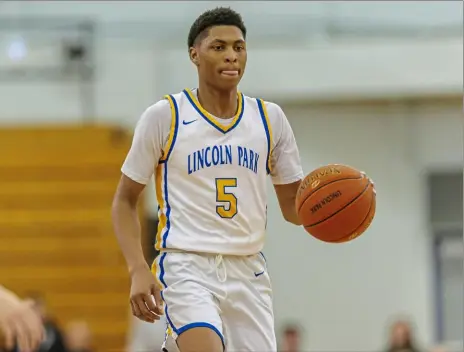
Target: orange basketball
point(336, 203)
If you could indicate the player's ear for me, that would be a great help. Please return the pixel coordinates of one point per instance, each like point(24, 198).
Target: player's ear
point(193, 53)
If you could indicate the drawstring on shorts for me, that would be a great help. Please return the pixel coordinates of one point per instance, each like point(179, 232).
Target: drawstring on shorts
point(219, 262)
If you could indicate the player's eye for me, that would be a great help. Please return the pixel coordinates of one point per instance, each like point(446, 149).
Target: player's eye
point(218, 47)
point(240, 48)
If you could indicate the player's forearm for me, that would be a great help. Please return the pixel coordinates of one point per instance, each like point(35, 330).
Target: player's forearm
point(290, 214)
point(127, 228)
point(292, 217)
point(286, 194)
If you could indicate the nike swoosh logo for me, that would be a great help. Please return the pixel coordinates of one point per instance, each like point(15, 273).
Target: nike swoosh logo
point(259, 274)
point(188, 122)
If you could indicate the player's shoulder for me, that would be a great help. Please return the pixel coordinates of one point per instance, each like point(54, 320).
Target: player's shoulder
point(274, 111)
point(160, 111)
point(271, 107)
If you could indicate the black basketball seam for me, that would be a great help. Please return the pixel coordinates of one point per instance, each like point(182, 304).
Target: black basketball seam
point(339, 210)
point(340, 179)
point(372, 204)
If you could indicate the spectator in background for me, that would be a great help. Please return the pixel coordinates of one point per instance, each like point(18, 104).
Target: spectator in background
point(53, 340)
point(401, 338)
point(19, 323)
point(439, 349)
point(291, 339)
point(78, 337)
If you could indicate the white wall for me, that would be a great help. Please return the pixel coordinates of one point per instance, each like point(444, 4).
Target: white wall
point(132, 74)
point(342, 68)
point(124, 86)
point(409, 13)
point(135, 66)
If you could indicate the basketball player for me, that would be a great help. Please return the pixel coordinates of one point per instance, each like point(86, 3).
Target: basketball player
point(212, 149)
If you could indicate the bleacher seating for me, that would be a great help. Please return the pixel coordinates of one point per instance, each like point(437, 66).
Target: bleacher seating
point(56, 188)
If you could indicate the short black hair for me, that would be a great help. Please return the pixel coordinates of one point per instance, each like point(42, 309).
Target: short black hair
point(220, 16)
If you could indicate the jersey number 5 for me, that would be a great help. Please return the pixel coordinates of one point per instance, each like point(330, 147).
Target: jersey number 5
point(229, 209)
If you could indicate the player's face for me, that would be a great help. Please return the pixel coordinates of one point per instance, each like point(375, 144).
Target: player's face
point(222, 56)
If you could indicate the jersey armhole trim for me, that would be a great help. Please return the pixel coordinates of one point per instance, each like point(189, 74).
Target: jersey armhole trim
point(268, 129)
point(173, 130)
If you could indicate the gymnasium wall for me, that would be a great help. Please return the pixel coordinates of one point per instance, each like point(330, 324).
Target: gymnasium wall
point(314, 51)
point(385, 101)
point(344, 69)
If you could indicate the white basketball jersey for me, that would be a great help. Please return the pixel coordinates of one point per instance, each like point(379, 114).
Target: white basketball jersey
point(211, 180)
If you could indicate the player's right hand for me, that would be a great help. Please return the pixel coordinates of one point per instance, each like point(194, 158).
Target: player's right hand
point(145, 296)
point(20, 325)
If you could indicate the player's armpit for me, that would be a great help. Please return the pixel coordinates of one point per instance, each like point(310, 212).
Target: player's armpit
point(286, 194)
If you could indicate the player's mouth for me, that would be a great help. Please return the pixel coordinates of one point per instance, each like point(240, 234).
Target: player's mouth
point(230, 73)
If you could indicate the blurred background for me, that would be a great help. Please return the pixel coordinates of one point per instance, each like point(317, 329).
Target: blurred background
point(376, 85)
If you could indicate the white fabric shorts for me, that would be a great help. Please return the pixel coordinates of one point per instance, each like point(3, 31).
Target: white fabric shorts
point(230, 295)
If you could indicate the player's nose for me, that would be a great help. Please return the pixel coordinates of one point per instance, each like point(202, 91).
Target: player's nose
point(231, 56)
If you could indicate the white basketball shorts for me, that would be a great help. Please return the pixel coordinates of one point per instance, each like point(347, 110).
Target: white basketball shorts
point(231, 295)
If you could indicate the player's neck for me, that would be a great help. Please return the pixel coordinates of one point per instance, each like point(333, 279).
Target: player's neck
point(222, 104)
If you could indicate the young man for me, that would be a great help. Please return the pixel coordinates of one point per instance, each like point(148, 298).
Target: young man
point(212, 149)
